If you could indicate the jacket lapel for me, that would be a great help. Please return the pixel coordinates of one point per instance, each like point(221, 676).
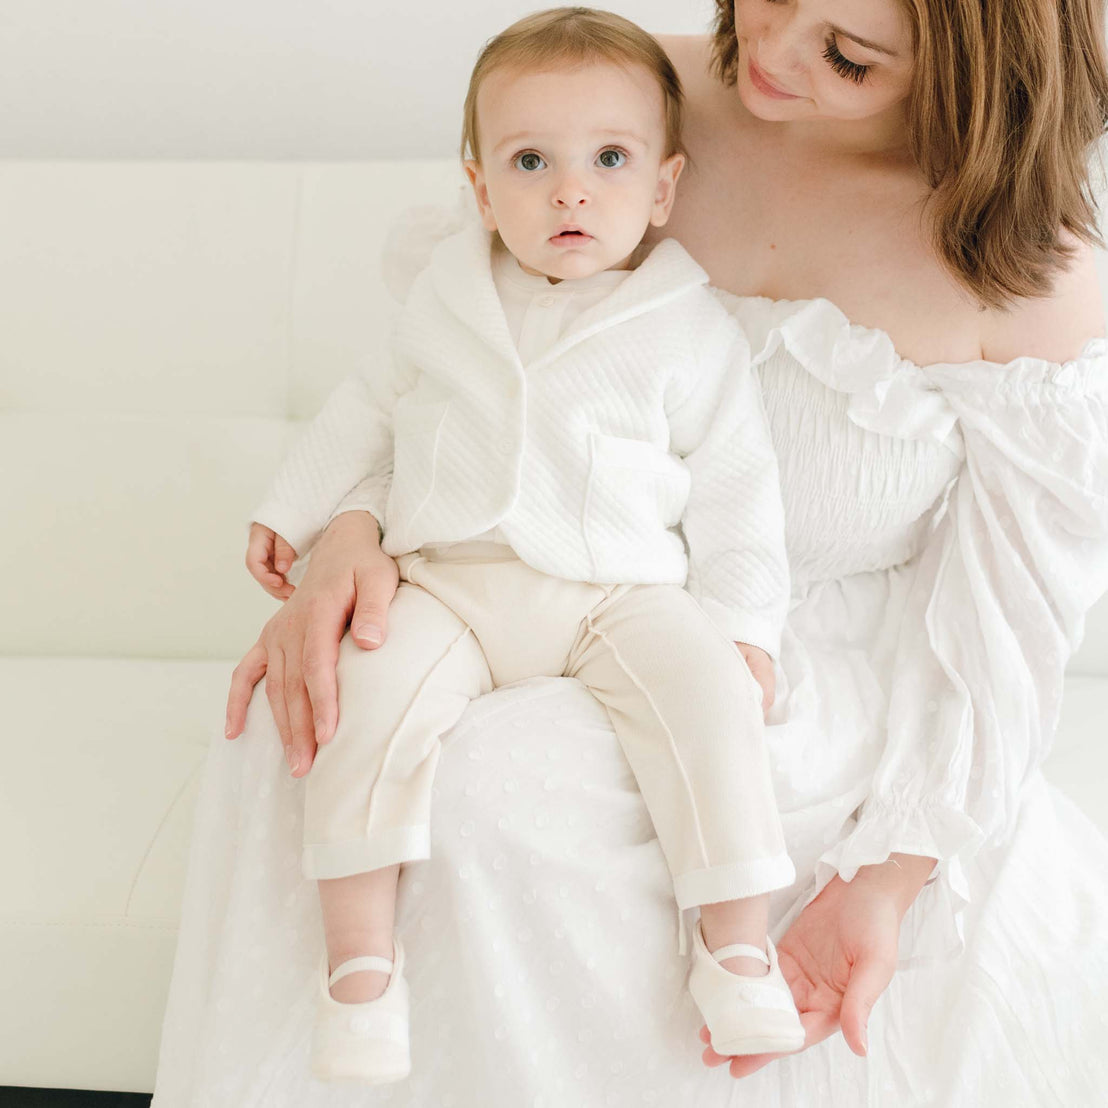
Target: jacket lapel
point(668, 271)
point(461, 274)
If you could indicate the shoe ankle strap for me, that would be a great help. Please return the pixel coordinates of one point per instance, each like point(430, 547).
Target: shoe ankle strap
point(736, 950)
point(360, 965)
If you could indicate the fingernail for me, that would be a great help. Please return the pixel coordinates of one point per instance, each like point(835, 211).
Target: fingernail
point(320, 730)
point(282, 565)
point(227, 729)
point(369, 633)
point(865, 1042)
point(292, 759)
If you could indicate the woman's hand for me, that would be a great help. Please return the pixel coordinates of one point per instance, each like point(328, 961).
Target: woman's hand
point(841, 953)
point(268, 558)
point(298, 649)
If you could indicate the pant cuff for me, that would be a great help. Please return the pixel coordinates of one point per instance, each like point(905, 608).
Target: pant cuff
point(386, 848)
point(734, 881)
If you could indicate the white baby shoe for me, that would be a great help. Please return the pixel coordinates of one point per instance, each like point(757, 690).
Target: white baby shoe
point(365, 1042)
point(745, 1015)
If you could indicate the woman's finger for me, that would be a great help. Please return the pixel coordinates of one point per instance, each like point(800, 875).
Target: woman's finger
point(373, 595)
point(301, 750)
point(747, 1064)
point(246, 675)
point(321, 659)
point(817, 1027)
point(710, 1057)
point(869, 978)
point(275, 694)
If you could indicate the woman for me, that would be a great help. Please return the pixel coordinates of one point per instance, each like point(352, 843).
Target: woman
point(895, 196)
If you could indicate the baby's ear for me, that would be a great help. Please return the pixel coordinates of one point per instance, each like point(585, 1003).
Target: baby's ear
point(480, 191)
point(664, 194)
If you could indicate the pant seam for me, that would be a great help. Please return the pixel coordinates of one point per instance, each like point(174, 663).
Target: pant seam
point(665, 727)
point(390, 745)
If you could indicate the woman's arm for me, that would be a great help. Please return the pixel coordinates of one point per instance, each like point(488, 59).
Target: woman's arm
point(997, 604)
point(349, 580)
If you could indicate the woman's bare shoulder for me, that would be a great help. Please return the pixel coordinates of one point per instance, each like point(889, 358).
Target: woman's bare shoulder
point(692, 58)
point(1054, 327)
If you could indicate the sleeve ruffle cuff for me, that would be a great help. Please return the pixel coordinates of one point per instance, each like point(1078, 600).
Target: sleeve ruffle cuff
point(933, 927)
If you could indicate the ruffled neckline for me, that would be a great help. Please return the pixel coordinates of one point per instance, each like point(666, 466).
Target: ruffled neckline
point(893, 395)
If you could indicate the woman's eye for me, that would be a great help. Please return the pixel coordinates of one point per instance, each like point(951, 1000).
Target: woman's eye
point(528, 161)
point(611, 158)
point(844, 67)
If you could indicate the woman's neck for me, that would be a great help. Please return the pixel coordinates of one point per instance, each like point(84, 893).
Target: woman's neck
point(877, 136)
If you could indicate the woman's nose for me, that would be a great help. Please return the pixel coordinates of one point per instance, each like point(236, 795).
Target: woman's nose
point(776, 41)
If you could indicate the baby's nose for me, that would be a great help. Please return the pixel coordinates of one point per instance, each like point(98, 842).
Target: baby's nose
point(570, 193)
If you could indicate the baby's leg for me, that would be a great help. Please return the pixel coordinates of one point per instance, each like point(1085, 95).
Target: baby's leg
point(688, 715)
point(358, 919)
point(367, 798)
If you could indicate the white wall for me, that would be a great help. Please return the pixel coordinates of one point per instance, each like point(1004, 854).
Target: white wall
point(315, 79)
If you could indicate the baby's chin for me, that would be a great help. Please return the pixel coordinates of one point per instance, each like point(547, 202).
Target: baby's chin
point(571, 265)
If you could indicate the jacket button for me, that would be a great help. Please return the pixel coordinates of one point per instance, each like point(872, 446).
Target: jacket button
point(546, 301)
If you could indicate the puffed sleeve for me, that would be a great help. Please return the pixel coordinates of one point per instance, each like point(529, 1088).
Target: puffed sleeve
point(997, 603)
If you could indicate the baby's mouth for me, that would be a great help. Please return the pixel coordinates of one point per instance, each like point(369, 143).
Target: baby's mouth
point(571, 236)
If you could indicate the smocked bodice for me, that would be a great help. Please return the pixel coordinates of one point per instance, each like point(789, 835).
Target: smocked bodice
point(867, 441)
point(855, 500)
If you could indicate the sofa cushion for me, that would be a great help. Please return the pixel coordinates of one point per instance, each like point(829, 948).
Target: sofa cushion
point(102, 767)
point(127, 536)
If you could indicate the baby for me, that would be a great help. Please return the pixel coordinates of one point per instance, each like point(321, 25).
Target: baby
point(569, 459)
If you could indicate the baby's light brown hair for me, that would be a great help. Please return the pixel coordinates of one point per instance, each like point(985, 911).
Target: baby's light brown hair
point(569, 37)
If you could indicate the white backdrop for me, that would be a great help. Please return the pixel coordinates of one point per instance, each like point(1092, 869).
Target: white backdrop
point(278, 79)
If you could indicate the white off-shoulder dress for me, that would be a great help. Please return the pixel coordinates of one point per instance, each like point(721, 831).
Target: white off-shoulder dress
point(947, 529)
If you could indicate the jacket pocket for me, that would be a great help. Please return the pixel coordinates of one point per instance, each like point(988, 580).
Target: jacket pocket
point(417, 429)
point(636, 492)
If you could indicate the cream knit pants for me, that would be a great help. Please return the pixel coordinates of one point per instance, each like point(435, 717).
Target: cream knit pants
point(470, 617)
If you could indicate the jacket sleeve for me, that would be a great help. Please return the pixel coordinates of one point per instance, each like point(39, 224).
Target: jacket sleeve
point(342, 461)
point(996, 605)
point(734, 521)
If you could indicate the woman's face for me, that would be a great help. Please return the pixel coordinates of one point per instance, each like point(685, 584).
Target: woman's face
point(823, 59)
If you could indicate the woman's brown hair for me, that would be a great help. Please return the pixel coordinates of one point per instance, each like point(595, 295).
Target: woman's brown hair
point(570, 37)
point(1008, 99)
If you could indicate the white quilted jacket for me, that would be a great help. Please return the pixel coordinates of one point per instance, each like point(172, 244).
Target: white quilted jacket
point(643, 422)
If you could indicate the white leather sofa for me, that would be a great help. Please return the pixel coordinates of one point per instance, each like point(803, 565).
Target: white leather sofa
point(163, 328)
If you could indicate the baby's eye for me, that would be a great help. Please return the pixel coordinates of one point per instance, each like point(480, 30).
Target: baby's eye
point(611, 158)
point(528, 161)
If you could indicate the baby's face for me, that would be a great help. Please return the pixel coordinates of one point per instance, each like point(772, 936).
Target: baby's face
point(573, 167)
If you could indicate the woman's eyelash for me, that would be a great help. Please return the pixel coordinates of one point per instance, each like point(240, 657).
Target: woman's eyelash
point(852, 71)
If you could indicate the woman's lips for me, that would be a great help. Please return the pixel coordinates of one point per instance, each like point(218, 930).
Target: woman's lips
point(763, 84)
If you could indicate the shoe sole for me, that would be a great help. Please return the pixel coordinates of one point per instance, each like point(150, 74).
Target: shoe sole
point(385, 1078)
point(759, 1044)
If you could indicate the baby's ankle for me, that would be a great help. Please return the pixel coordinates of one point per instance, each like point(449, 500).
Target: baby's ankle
point(366, 984)
point(742, 922)
point(357, 988)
